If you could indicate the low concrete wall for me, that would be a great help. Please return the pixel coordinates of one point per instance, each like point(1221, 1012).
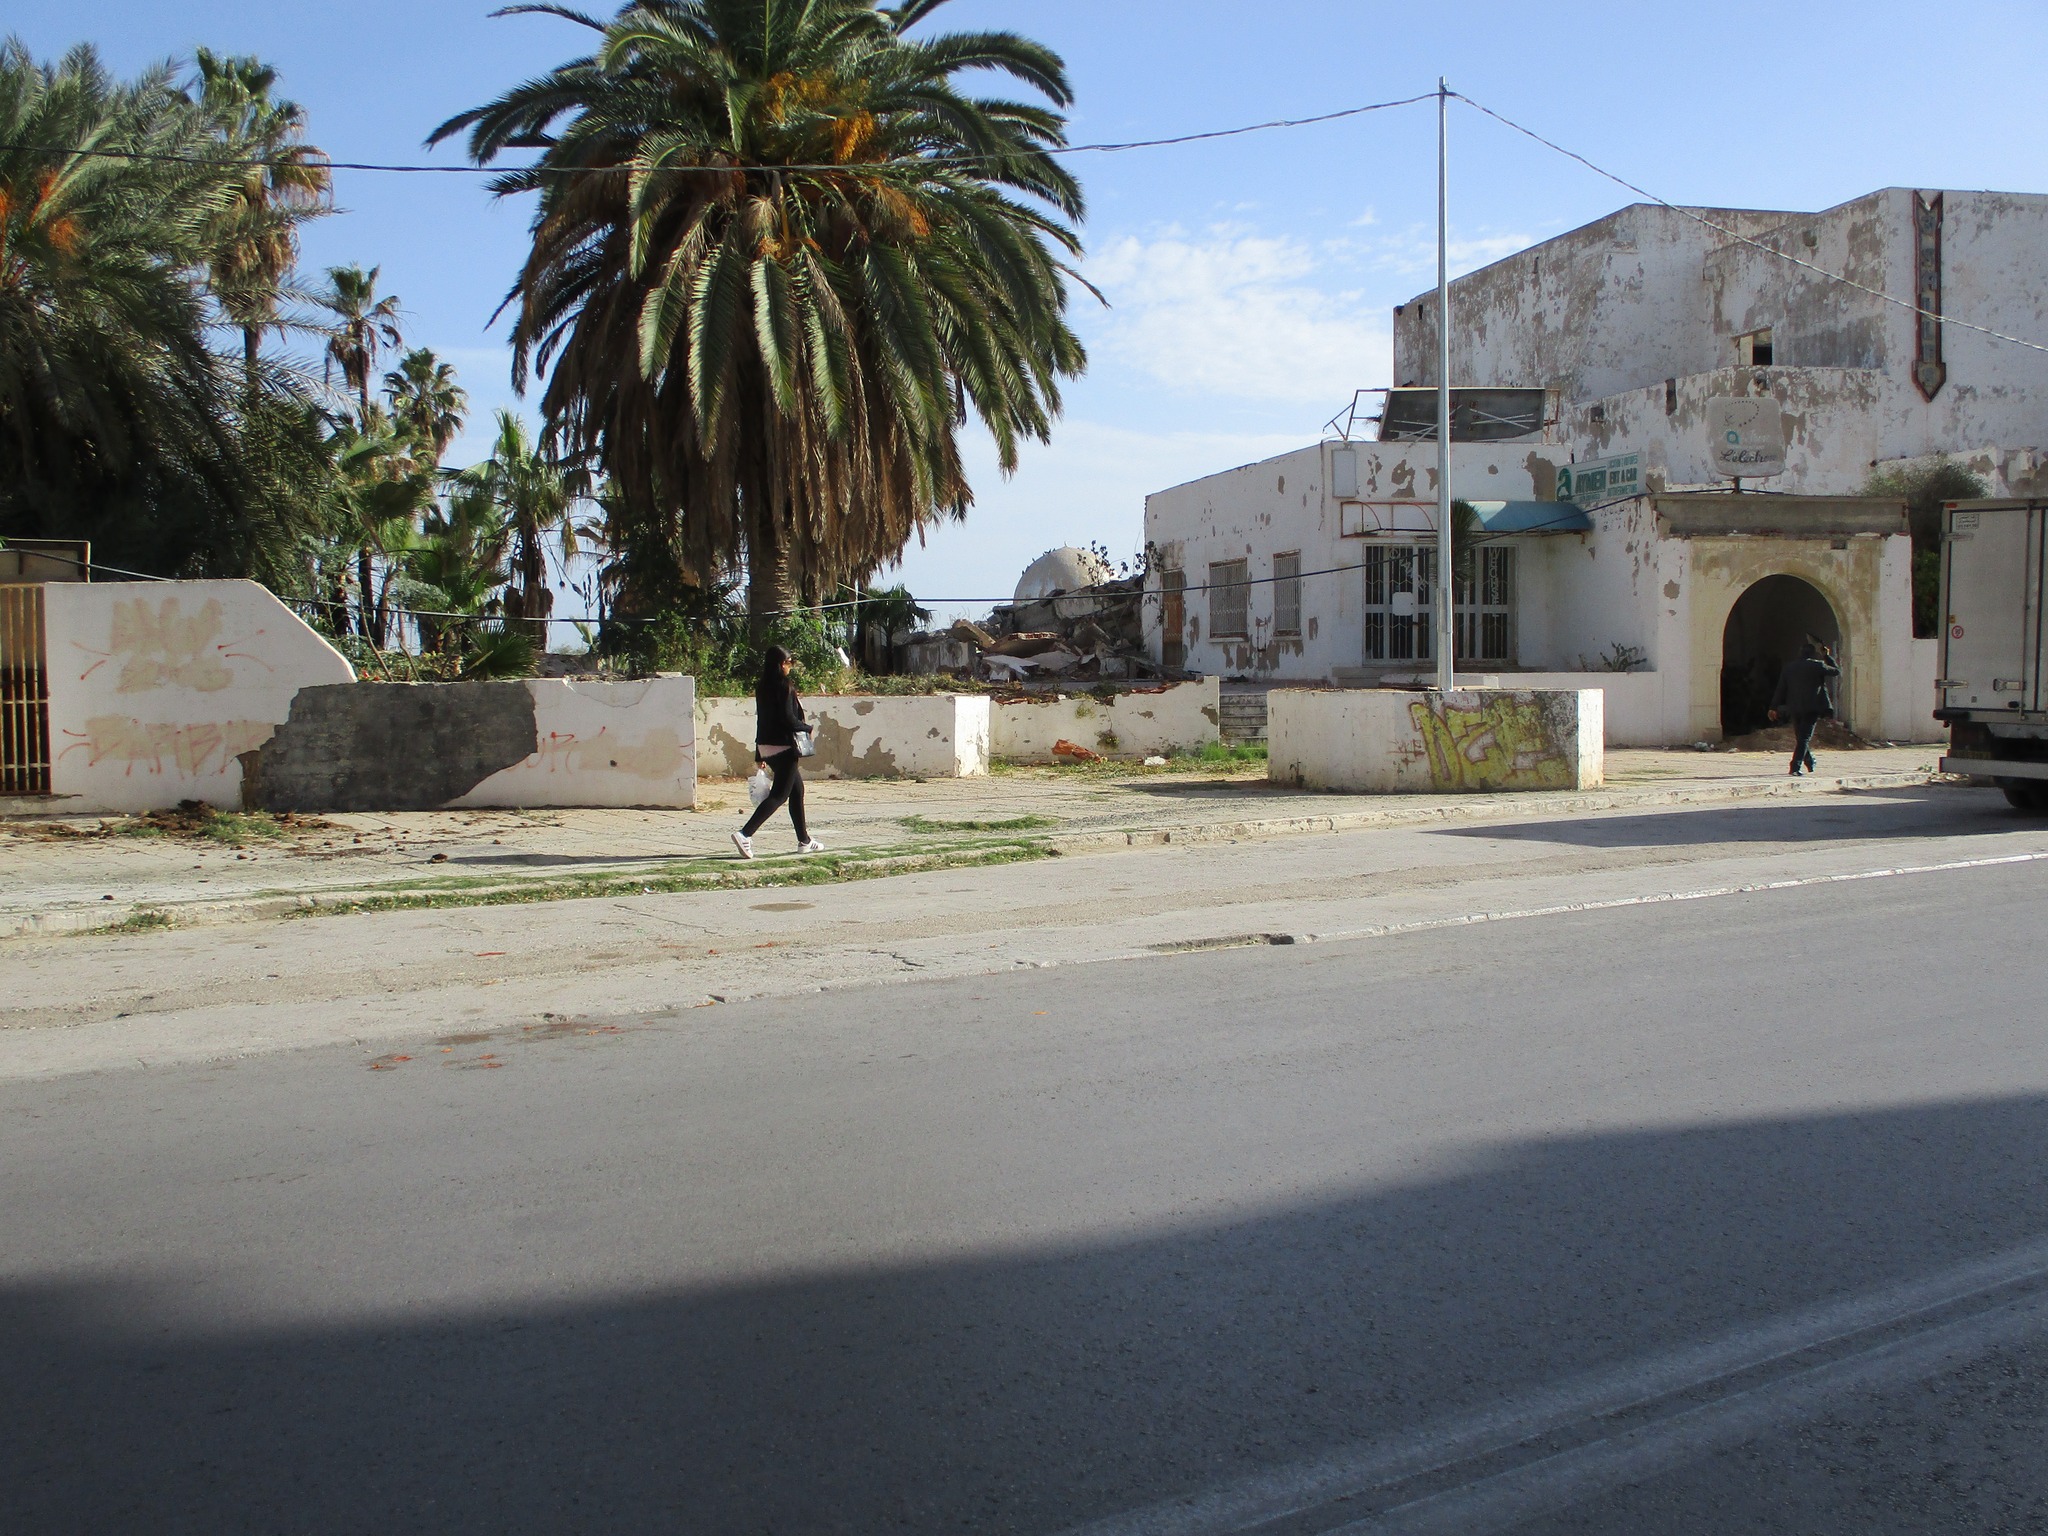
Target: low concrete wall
point(1471, 740)
point(1634, 703)
point(1138, 723)
point(530, 743)
point(158, 689)
point(603, 744)
point(919, 736)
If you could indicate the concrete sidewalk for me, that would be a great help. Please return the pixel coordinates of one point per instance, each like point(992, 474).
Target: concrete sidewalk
point(61, 875)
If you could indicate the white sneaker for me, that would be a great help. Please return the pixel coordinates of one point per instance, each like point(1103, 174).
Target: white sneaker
point(745, 844)
point(813, 846)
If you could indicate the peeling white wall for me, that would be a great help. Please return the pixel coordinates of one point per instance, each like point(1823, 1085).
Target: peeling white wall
point(157, 688)
point(1181, 717)
point(603, 744)
point(924, 736)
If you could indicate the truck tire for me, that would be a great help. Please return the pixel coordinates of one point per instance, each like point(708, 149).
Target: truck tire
point(2024, 794)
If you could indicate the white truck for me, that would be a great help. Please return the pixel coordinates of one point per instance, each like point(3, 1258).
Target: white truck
point(1992, 690)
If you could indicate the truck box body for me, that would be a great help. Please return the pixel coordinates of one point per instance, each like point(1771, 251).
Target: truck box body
point(1993, 687)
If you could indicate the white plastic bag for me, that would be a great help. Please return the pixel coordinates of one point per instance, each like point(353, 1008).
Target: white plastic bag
point(806, 744)
point(761, 785)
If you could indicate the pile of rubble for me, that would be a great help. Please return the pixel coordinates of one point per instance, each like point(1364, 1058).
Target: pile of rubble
point(1096, 633)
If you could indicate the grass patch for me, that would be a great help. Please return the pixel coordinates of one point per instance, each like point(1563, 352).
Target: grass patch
point(140, 922)
point(1011, 824)
point(1215, 752)
point(698, 875)
point(1210, 756)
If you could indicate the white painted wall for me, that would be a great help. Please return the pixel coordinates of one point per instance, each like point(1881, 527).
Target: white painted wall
point(929, 736)
point(604, 744)
point(1471, 740)
point(1181, 717)
point(156, 688)
point(1287, 504)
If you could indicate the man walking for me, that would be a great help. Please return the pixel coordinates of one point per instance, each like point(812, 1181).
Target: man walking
point(1803, 694)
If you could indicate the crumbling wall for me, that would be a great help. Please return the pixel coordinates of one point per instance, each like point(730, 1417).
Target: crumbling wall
point(1471, 740)
point(1180, 717)
point(158, 689)
point(532, 743)
point(927, 736)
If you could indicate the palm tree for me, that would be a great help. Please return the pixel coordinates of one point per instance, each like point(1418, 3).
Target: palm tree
point(381, 491)
point(779, 258)
point(458, 565)
point(363, 325)
point(282, 182)
point(426, 401)
point(118, 422)
point(536, 495)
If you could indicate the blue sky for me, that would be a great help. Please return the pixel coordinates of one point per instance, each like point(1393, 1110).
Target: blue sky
point(1250, 280)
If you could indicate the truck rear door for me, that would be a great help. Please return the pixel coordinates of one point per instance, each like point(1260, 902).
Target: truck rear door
point(1991, 561)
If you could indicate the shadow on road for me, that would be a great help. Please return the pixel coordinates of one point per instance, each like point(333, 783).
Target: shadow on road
point(1865, 817)
point(1006, 1393)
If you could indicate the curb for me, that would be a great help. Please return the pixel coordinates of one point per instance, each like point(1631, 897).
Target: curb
point(85, 920)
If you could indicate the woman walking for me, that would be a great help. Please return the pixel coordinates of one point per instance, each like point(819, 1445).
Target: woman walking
point(778, 716)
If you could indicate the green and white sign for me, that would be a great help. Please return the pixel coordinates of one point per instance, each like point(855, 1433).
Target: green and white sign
point(1599, 480)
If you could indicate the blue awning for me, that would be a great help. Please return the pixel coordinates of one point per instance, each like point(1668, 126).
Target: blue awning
point(1532, 517)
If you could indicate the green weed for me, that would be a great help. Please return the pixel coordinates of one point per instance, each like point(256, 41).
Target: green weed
point(1010, 824)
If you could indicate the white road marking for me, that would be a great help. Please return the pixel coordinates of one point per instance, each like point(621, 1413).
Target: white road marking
point(1509, 1498)
point(1254, 1501)
point(1562, 909)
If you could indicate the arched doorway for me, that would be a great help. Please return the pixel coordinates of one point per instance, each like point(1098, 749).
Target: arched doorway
point(1766, 628)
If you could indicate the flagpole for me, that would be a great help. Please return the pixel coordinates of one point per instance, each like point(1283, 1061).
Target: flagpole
point(1446, 662)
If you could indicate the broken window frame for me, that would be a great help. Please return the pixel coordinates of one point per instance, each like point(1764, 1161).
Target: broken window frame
point(1755, 349)
point(1173, 619)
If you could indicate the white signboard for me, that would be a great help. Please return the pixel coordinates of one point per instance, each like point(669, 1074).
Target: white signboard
point(1601, 480)
point(1746, 438)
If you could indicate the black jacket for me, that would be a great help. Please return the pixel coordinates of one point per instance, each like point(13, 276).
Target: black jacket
point(1803, 687)
point(778, 715)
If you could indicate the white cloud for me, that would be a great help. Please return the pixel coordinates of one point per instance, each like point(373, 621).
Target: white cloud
point(1238, 315)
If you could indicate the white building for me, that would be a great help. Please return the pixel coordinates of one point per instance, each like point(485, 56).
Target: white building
point(1609, 539)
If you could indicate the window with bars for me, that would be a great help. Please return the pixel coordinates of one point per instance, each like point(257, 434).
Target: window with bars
point(1400, 580)
point(1485, 610)
point(1287, 594)
point(1229, 599)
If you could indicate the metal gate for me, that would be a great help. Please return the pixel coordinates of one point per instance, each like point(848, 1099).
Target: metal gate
point(24, 694)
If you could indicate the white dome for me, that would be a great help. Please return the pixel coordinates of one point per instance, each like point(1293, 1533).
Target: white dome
point(1063, 570)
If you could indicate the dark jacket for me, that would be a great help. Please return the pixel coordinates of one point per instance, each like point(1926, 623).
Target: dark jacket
point(778, 715)
point(1803, 687)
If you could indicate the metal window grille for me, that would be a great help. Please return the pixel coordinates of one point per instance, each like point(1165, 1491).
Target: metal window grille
point(1400, 583)
point(24, 694)
point(1287, 594)
point(1229, 599)
point(1173, 618)
point(1486, 608)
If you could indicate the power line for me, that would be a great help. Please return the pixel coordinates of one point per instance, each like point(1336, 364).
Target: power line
point(911, 163)
point(1742, 239)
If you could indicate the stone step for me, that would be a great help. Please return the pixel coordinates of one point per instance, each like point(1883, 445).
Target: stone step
point(1241, 717)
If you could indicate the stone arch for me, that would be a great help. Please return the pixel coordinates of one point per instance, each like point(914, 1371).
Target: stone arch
point(1765, 627)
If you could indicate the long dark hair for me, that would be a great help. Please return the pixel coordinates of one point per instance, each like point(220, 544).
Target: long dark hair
point(772, 661)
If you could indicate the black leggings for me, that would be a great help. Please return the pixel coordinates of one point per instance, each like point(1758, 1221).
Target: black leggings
point(789, 787)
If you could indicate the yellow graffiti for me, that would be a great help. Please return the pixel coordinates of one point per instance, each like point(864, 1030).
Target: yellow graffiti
point(1491, 743)
point(189, 750)
point(158, 645)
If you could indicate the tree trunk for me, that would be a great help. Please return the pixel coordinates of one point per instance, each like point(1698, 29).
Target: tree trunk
point(252, 344)
point(769, 594)
point(366, 600)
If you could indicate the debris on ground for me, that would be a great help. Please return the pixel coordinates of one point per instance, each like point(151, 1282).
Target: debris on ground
point(1073, 752)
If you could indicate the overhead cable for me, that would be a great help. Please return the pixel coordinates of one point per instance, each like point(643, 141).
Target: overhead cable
point(920, 162)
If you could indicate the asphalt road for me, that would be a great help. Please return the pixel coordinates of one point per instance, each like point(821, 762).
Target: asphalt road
point(1724, 1214)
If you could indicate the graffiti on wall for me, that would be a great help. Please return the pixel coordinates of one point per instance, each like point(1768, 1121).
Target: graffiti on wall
point(156, 644)
point(1494, 741)
point(189, 751)
point(657, 755)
